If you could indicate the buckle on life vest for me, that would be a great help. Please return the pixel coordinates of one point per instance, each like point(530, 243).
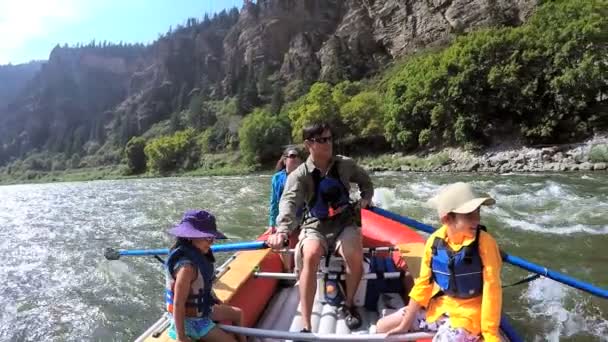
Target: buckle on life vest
point(331, 213)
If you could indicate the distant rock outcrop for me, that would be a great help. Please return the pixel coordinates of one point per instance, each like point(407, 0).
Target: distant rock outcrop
point(89, 93)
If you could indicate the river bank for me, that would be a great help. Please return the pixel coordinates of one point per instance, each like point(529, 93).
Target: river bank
point(591, 155)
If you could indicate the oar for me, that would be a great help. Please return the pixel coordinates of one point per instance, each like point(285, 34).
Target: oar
point(513, 260)
point(114, 254)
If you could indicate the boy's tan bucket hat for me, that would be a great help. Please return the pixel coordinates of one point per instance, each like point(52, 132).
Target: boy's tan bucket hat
point(458, 198)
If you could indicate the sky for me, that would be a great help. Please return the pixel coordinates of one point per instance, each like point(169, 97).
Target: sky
point(29, 29)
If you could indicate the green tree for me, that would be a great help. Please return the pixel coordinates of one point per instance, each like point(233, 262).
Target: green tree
point(318, 105)
point(363, 114)
point(261, 136)
point(171, 152)
point(199, 114)
point(344, 91)
point(136, 157)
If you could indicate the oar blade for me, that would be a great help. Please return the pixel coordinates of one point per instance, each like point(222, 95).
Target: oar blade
point(111, 254)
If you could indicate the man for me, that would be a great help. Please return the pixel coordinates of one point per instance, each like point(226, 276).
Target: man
point(322, 185)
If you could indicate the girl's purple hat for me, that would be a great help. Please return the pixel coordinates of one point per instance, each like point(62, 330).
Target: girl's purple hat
point(197, 224)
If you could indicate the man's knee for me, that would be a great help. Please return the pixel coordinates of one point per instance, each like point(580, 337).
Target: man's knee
point(351, 248)
point(312, 251)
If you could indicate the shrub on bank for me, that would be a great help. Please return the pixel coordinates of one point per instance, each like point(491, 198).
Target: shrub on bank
point(169, 153)
point(541, 79)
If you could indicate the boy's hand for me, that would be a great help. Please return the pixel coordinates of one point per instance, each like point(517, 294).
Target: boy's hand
point(402, 328)
point(405, 324)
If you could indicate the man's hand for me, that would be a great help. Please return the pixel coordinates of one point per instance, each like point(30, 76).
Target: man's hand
point(364, 203)
point(276, 240)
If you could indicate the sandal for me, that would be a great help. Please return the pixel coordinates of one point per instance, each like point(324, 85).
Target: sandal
point(351, 317)
point(304, 330)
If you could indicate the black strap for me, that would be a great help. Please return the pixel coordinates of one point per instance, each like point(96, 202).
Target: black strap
point(380, 269)
point(316, 180)
point(528, 279)
point(436, 243)
point(473, 246)
point(159, 259)
point(453, 285)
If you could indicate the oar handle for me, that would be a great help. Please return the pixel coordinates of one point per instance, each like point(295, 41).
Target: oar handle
point(513, 260)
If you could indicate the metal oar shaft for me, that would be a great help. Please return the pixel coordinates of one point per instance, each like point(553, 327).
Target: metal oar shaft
point(366, 250)
point(292, 276)
point(513, 260)
point(288, 335)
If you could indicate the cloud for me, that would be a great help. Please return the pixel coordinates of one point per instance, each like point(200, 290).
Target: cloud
point(24, 20)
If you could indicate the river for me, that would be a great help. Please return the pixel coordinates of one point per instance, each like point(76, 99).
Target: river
point(57, 286)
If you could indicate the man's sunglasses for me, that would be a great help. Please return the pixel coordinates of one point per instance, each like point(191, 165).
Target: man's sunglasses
point(291, 156)
point(321, 140)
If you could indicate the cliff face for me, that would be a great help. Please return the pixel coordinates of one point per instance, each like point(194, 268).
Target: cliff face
point(334, 40)
point(13, 79)
point(67, 102)
point(85, 94)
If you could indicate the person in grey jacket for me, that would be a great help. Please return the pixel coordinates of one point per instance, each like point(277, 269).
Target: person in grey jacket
point(322, 186)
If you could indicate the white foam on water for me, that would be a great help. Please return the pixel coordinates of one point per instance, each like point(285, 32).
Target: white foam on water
point(389, 199)
point(385, 198)
point(549, 302)
point(247, 190)
point(556, 230)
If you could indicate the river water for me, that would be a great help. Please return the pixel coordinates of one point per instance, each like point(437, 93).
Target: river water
point(57, 286)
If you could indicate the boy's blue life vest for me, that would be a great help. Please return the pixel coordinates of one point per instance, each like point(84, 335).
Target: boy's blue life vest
point(458, 274)
point(330, 194)
point(375, 287)
point(200, 299)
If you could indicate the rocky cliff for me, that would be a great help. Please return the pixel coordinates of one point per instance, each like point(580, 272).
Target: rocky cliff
point(87, 94)
point(13, 78)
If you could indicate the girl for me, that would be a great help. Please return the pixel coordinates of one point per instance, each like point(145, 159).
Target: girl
point(459, 282)
point(289, 161)
point(189, 279)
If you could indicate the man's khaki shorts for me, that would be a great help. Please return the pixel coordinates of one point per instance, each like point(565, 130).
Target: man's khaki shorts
point(350, 237)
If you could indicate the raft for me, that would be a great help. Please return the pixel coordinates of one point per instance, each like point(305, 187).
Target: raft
point(250, 281)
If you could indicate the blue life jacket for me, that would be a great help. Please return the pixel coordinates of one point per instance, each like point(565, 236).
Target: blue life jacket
point(200, 299)
point(329, 193)
point(458, 274)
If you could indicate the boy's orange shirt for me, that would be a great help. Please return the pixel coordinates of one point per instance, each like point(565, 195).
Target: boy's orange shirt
point(478, 315)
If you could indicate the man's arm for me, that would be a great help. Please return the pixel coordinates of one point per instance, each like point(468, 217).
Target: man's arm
point(292, 198)
point(361, 177)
